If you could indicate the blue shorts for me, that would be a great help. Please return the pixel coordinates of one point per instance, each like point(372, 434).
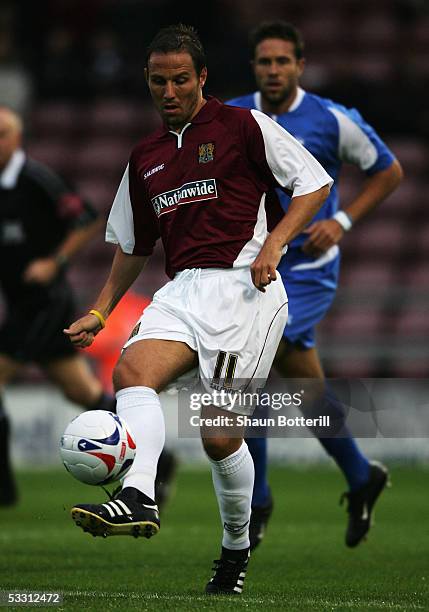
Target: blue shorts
point(310, 292)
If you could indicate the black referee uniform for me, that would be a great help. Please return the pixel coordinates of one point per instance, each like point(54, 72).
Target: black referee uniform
point(37, 212)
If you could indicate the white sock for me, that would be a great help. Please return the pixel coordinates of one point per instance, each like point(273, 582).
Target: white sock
point(141, 409)
point(233, 479)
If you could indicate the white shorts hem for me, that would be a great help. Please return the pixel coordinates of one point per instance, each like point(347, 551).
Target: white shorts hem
point(174, 336)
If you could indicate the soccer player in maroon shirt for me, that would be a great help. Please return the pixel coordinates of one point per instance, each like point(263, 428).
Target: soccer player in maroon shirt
point(204, 183)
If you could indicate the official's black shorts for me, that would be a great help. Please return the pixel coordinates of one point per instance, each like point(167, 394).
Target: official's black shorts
point(34, 331)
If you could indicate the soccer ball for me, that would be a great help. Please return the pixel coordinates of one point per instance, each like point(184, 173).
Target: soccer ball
point(97, 447)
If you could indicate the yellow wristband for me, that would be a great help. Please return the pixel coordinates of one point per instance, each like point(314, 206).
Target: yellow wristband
point(99, 316)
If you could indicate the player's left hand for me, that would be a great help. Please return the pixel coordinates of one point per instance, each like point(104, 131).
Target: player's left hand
point(41, 271)
point(322, 235)
point(263, 269)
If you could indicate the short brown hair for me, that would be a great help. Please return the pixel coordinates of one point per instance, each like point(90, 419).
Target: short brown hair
point(178, 37)
point(277, 29)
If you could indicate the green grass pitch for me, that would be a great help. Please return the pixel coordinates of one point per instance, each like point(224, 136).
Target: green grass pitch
point(302, 564)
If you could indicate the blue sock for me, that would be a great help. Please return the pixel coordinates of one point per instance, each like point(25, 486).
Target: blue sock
point(258, 450)
point(354, 465)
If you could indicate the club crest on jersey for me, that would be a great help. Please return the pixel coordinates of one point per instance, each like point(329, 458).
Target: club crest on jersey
point(188, 193)
point(206, 152)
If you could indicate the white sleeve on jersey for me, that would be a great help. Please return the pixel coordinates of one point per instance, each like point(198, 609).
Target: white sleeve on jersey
point(120, 224)
point(292, 165)
point(354, 146)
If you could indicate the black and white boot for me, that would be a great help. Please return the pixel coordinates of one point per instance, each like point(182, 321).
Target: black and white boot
point(129, 513)
point(361, 504)
point(229, 572)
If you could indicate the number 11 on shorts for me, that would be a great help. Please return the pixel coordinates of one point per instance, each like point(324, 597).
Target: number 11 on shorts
point(231, 364)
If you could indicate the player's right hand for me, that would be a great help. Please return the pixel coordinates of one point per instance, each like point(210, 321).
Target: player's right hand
point(83, 331)
point(263, 269)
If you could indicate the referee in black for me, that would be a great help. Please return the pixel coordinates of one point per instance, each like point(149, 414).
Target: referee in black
point(42, 225)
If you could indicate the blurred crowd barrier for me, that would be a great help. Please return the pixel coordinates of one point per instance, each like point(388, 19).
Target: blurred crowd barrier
point(39, 416)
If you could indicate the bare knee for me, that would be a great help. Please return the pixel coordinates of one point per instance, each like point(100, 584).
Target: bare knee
point(120, 375)
point(126, 374)
point(220, 448)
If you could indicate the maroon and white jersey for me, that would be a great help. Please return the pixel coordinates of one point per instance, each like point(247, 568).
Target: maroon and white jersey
point(209, 191)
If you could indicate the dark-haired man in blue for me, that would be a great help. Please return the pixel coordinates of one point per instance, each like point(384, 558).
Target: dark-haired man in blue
point(333, 134)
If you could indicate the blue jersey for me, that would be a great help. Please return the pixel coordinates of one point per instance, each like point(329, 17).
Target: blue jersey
point(333, 134)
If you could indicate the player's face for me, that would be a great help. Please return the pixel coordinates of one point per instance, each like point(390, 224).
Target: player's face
point(10, 137)
point(175, 87)
point(277, 70)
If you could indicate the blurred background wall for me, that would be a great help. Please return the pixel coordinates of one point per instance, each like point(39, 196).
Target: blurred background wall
point(74, 69)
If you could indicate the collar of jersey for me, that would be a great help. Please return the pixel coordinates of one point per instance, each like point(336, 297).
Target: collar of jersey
point(293, 107)
point(207, 113)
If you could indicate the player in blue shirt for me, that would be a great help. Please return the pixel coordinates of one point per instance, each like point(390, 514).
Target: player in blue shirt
point(333, 134)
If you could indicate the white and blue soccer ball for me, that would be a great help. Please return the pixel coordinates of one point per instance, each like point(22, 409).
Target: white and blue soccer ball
point(97, 447)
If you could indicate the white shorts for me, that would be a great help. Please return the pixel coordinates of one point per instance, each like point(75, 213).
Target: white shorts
point(234, 328)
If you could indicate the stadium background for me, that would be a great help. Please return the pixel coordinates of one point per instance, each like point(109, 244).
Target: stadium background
point(74, 69)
